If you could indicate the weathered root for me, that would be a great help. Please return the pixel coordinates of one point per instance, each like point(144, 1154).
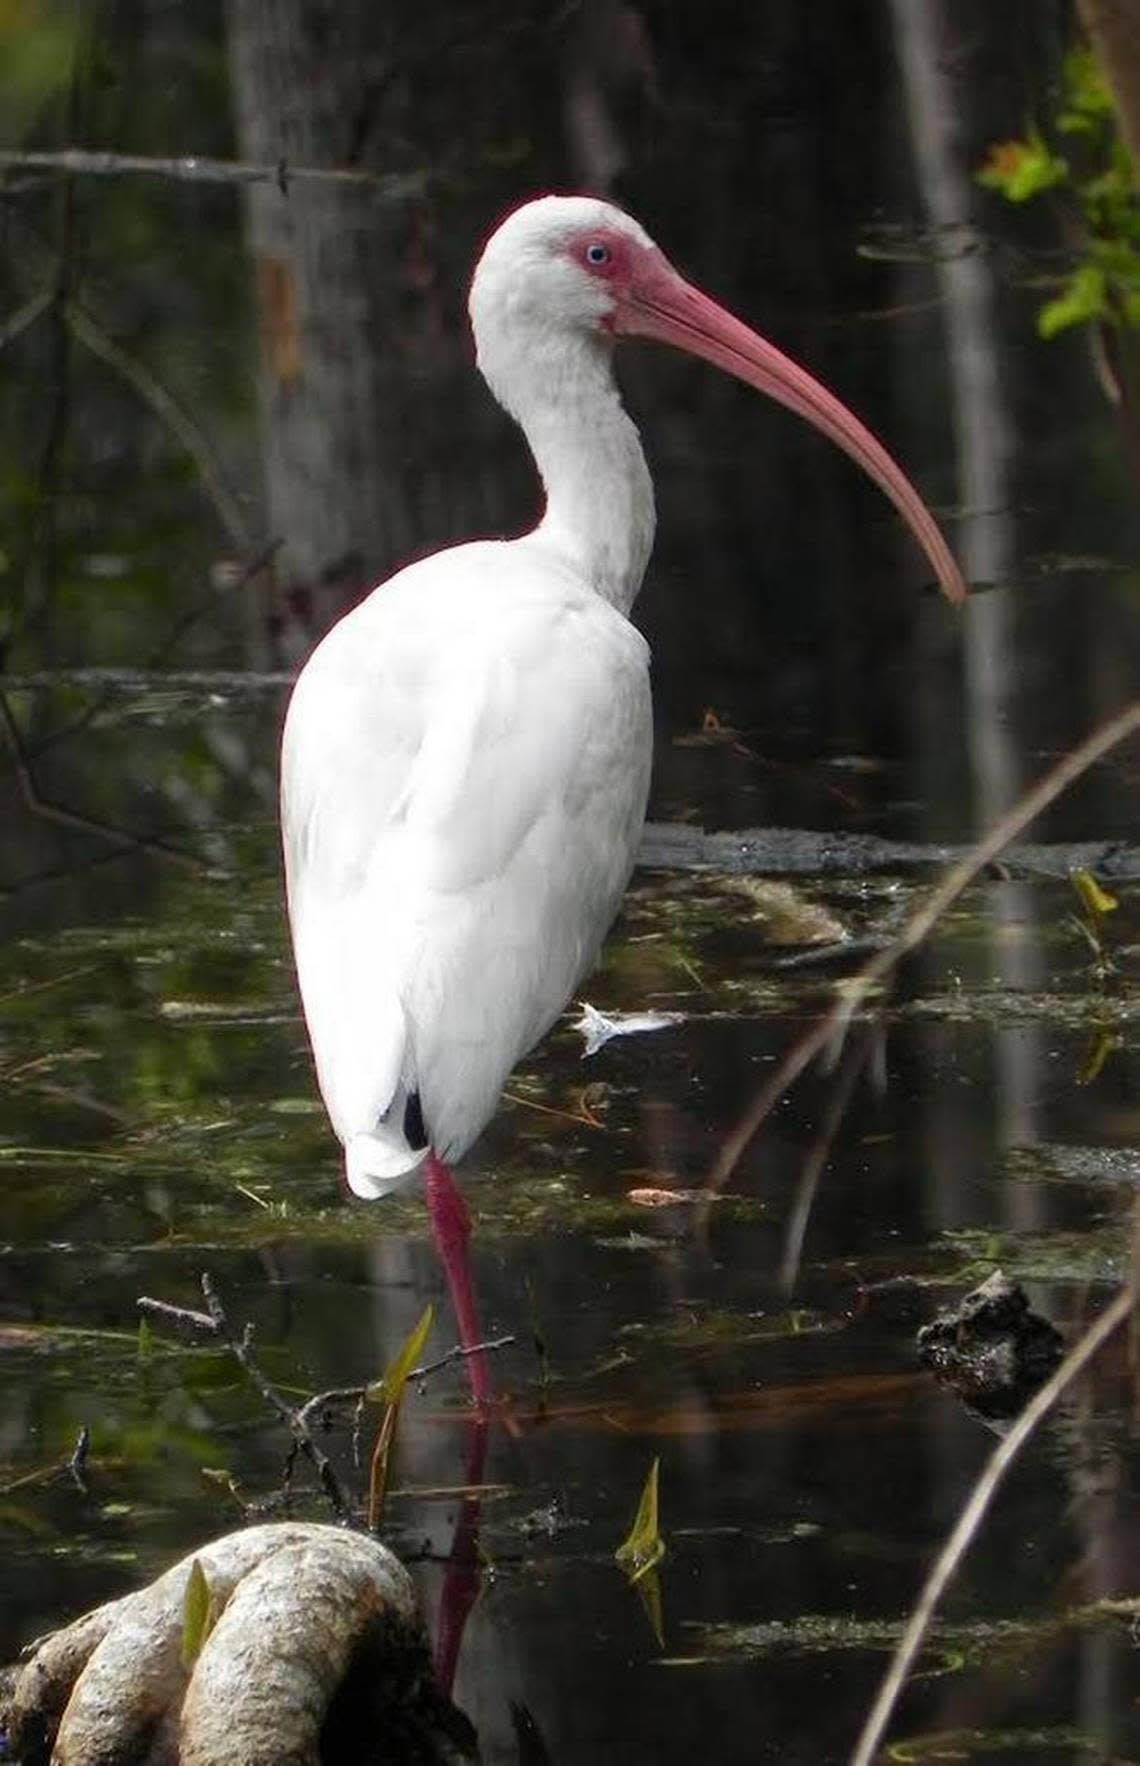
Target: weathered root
point(316, 1636)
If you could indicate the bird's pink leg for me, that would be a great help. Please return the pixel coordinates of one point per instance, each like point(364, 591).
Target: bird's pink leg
point(451, 1228)
point(461, 1578)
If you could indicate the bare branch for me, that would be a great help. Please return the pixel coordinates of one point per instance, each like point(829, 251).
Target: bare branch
point(69, 818)
point(79, 162)
point(179, 421)
point(241, 1348)
point(25, 316)
point(345, 1397)
point(460, 1353)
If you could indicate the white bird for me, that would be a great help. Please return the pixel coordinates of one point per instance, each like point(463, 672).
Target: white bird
point(466, 755)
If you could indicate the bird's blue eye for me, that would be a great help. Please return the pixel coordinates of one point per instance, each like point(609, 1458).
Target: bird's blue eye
point(597, 254)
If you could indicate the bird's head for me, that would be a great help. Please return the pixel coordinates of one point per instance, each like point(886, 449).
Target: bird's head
point(562, 264)
point(566, 272)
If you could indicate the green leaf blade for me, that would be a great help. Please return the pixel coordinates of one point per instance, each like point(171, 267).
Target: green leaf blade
point(644, 1548)
point(389, 1389)
point(197, 1614)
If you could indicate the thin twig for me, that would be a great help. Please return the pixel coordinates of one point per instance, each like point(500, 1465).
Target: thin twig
point(314, 1408)
point(77, 1464)
point(972, 1515)
point(842, 1087)
point(181, 1316)
point(214, 1322)
point(81, 1100)
point(341, 1397)
point(241, 1348)
point(856, 990)
point(460, 1353)
point(91, 861)
point(579, 1116)
point(69, 818)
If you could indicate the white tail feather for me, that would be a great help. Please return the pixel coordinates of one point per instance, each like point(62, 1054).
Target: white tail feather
point(376, 1164)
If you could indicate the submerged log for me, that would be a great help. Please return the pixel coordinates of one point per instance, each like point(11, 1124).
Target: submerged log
point(313, 1652)
point(677, 846)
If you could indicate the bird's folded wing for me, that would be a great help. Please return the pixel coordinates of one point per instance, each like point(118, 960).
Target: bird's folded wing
point(462, 788)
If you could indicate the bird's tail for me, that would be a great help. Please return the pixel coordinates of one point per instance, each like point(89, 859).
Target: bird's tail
point(378, 1163)
point(383, 1157)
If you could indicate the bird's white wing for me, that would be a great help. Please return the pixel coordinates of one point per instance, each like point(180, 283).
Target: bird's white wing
point(465, 767)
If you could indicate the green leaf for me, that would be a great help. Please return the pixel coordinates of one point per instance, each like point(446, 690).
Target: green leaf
point(390, 1392)
point(390, 1388)
point(1096, 901)
point(1085, 85)
point(1021, 169)
point(1085, 298)
point(146, 1341)
point(198, 1614)
point(1104, 1044)
point(648, 1586)
point(644, 1547)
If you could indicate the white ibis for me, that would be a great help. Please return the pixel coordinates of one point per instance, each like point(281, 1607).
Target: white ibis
point(466, 754)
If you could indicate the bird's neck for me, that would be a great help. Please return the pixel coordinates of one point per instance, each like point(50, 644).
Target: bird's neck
point(599, 497)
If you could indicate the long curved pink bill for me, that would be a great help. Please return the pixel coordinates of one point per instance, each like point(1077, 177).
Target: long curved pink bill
point(662, 305)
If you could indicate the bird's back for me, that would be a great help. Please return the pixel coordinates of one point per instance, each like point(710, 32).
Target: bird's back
point(464, 773)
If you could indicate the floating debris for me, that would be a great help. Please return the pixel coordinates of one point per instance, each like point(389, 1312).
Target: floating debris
point(597, 1028)
point(992, 1349)
point(649, 1197)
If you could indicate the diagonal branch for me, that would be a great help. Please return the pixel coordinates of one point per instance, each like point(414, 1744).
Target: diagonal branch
point(829, 1031)
point(972, 1516)
point(162, 401)
point(70, 818)
point(24, 317)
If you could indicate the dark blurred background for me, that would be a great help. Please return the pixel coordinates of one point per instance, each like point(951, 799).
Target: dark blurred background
point(230, 407)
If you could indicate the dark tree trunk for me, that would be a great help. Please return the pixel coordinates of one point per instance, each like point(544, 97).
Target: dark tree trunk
point(346, 294)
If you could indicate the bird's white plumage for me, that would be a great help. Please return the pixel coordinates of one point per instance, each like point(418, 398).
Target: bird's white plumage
point(465, 767)
point(466, 754)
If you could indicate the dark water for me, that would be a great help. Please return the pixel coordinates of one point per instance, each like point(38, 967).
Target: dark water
point(159, 1113)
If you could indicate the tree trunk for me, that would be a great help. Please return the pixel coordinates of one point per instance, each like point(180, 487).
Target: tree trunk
point(344, 295)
